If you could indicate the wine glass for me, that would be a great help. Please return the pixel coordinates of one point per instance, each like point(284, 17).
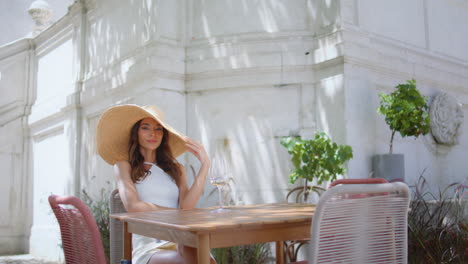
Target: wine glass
point(219, 178)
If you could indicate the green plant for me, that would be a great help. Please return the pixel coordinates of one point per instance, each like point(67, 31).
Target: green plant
point(438, 225)
point(405, 111)
point(256, 253)
point(100, 210)
point(319, 158)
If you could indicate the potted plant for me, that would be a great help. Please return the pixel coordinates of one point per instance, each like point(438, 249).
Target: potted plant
point(319, 158)
point(405, 111)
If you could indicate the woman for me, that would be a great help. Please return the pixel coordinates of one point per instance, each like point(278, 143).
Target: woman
point(142, 148)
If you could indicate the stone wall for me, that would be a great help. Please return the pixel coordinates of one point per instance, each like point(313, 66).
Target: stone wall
point(385, 45)
point(251, 78)
point(235, 75)
point(15, 197)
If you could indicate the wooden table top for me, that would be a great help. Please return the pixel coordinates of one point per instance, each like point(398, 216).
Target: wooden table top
point(201, 219)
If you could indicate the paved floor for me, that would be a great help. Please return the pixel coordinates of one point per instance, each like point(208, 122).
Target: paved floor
point(23, 259)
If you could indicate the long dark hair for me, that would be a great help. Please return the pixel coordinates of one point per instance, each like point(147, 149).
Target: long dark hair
point(164, 158)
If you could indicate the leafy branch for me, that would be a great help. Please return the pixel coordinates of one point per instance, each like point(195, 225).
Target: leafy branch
point(405, 111)
point(319, 158)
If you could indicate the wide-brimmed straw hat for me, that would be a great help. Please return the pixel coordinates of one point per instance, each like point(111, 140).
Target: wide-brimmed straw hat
point(113, 131)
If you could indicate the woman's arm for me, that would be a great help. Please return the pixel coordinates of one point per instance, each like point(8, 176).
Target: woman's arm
point(188, 197)
point(128, 192)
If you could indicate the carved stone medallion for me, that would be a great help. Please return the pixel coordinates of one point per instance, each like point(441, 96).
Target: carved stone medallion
point(446, 119)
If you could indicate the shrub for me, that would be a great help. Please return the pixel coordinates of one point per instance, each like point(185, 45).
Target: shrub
point(100, 210)
point(256, 253)
point(437, 225)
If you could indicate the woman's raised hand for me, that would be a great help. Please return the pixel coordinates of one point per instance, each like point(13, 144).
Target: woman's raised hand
point(188, 197)
point(197, 150)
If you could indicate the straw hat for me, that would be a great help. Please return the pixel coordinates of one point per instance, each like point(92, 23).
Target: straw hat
point(113, 131)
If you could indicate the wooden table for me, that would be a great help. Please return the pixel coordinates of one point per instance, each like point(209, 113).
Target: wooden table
point(203, 229)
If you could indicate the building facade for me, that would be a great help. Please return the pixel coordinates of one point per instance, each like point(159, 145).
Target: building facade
point(235, 75)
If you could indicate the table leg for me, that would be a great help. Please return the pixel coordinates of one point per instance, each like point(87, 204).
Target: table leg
point(127, 242)
point(203, 249)
point(279, 252)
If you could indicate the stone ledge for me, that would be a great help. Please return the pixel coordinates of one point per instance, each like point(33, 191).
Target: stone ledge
point(24, 259)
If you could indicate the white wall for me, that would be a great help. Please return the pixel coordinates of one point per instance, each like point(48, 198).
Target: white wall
point(386, 44)
point(247, 17)
point(436, 26)
point(119, 29)
point(250, 82)
point(14, 203)
point(447, 28)
point(52, 139)
point(399, 20)
point(55, 81)
point(15, 191)
point(52, 175)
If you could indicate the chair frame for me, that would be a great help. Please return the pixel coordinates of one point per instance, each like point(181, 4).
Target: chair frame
point(116, 227)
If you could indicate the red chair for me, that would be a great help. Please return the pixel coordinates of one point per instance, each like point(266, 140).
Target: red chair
point(81, 240)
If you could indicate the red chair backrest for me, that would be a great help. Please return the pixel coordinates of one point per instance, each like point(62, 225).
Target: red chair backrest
point(81, 240)
point(359, 181)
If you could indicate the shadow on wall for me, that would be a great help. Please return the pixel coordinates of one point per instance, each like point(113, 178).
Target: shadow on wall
point(116, 38)
point(253, 153)
point(263, 16)
point(330, 106)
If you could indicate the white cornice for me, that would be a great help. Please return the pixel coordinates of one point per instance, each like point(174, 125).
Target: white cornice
point(403, 61)
point(263, 70)
point(45, 123)
point(16, 47)
point(48, 132)
point(12, 111)
point(373, 41)
point(97, 91)
point(316, 48)
point(248, 37)
point(47, 41)
point(247, 40)
point(157, 49)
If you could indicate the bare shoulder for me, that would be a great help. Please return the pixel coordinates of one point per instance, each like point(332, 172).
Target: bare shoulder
point(123, 164)
point(122, 168)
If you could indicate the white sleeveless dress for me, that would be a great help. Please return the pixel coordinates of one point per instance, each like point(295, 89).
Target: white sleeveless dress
point(157, 188)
